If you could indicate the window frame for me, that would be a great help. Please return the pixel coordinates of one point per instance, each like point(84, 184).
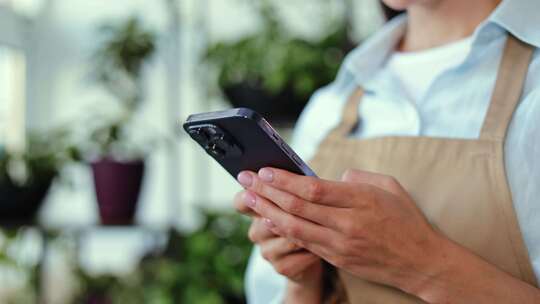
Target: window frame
point(13, 29)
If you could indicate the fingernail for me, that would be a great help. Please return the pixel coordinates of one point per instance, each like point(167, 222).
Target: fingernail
point(245, 179)
point(269, 223)
point(266, 175)
point(250, 199)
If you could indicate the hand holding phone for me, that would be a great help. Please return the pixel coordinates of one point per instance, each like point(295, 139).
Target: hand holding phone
point(240, 140)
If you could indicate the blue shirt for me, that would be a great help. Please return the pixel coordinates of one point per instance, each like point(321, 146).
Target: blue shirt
point(454, 106)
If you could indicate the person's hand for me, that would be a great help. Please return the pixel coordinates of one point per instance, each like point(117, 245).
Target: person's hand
point(369, 226)
point(366, 224)
point(302, 268)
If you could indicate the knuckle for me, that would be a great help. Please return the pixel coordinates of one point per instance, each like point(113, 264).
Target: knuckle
point(367, 193)
point(295, 205)
point(343, 248)
point(315, 191)
point(281, 180)
point(349, 228)
point(293, 230)
point(365, 188)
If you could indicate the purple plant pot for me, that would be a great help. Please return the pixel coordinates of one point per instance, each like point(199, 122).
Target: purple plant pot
point(117, 186)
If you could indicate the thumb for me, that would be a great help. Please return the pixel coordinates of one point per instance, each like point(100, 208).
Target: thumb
point(384, 182)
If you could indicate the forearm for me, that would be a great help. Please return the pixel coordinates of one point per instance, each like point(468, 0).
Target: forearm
point(458, 276)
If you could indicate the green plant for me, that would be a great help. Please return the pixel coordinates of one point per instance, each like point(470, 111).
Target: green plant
point(118, 66)
point(96, 289)
point(273, 59)
point(21, 276)
point(44, 156)
point(205, 266)
point(26, 176)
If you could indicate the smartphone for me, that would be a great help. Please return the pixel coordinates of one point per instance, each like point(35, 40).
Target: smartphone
point(240, 139)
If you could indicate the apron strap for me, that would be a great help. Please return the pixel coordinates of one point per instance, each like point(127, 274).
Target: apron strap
point(508, 88)
point(349, 115)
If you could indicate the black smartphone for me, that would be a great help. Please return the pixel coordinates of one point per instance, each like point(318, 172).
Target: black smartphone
point(240, 139)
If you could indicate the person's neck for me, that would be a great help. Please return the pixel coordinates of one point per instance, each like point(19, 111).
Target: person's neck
point(445, 21)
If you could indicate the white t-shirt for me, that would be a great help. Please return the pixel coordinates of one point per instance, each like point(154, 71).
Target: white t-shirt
point(415, 71)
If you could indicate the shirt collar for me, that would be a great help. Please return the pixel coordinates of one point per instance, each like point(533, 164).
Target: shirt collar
point(519, 17)
point(366, 59)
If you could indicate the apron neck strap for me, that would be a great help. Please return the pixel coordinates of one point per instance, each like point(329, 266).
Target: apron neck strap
point(349, 115)
point(508, 88)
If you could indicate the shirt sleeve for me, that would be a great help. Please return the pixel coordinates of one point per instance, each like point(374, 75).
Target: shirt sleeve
point(263, 284)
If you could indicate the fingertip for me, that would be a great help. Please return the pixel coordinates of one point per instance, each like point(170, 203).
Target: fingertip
point(240, 205)
point(245, 179)
point(266, 175)
point(249, 199)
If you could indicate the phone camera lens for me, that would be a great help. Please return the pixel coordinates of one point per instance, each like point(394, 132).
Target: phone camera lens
point(216, 151)
point(215, 141)
point(212, 132)
point(199, 135)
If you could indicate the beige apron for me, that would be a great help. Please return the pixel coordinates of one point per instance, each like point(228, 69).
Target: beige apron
point(459, 184)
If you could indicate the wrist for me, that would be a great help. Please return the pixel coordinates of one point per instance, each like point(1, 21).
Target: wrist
point(456, 275)
point(449, 272)
point(434, 271)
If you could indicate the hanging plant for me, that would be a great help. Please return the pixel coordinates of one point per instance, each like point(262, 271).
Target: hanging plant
point(273, 72)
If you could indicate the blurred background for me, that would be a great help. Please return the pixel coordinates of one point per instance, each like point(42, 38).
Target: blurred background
point(103, 199)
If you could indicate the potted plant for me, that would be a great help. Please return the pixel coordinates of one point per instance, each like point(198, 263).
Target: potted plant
point(118, 169)
point(272, 71)
point(26, 177)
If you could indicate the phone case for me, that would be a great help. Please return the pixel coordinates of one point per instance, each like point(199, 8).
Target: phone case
point(240, 139)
